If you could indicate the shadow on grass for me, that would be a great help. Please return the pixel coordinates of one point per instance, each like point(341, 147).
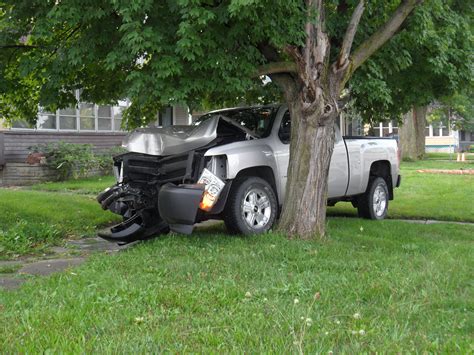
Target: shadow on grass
point(215, 234)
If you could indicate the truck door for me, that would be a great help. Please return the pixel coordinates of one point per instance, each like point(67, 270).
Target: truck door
point(338, 170)
point(282, 152)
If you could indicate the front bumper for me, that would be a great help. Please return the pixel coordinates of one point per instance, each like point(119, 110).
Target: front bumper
point(178, 206)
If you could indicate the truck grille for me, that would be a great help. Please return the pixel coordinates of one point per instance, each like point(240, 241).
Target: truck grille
point(148, 168)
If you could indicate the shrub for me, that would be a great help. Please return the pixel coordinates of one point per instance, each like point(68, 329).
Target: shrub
point(104, 160)
point(75, 160)
point(68, 159)
point(24, 237)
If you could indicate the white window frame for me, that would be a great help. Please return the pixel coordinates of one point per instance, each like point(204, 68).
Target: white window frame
point(78, 120)
point(94, 110)
point(111, 119)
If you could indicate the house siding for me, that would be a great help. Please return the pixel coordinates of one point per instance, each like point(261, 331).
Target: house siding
point(2, 149)
point(15, 143)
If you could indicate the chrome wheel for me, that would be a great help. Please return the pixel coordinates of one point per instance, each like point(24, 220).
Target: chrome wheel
point(379, 200)
point(256, 208)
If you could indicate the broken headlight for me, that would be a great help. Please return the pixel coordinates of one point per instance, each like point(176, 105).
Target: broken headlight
point(213, 187)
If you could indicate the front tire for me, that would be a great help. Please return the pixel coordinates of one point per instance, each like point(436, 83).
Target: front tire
point(374, 203)
point(251, 206)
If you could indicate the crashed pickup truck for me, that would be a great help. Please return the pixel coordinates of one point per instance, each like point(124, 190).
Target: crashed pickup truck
point(232, 165)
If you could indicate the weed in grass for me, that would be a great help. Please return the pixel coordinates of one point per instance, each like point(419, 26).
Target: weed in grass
point(23, 238)
point(9, 269)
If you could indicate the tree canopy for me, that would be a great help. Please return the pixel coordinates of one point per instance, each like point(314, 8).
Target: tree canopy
point(185, 51)
point(457, 108)
point(430, 60)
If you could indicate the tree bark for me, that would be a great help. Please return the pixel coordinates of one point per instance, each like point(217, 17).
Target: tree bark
point(304, 211)
point(412, 133)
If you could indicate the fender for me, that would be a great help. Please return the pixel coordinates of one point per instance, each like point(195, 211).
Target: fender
point(244, 155)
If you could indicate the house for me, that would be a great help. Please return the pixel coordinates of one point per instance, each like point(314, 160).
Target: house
point(439, 137)
point(99, 125)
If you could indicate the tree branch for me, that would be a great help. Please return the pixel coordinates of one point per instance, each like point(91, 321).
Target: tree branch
point(350, 34)
point(276, 68)
point(383, 34)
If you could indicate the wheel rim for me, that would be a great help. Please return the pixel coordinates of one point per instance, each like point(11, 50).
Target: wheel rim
point(256, 208)
point(379, 201)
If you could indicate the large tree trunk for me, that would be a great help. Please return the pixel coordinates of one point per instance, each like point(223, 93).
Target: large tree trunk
point(312, 87)
point(412, 133)
point(312, 144)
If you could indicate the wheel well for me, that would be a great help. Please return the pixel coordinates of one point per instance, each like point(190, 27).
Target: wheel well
point(382, 168)
point(263, 172)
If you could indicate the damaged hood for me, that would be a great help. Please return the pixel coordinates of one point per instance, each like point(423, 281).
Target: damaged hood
point(177, 139)
point(172, 139)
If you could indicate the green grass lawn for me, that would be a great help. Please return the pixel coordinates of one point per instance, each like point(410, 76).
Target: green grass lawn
point(448, 156)
point(92, 185)
point(384, 286)
point(30, 221)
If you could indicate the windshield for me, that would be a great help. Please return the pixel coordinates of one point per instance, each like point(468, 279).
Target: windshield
point(259, 120)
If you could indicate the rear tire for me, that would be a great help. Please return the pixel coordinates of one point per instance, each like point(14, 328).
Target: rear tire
point(374, 203)
point(251, 207)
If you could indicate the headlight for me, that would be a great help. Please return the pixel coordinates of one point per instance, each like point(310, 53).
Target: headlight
point(213, 187)
point(118, 172)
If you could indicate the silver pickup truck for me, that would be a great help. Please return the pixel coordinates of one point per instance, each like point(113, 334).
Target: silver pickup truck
point(232, 164)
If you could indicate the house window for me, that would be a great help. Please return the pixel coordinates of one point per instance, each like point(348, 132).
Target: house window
point(165, 117)
point(445, 131)
point(46, 121)
point(386, 128)
point(67, 119)
point(118, 117)
point(87, 117)
point(104, 118)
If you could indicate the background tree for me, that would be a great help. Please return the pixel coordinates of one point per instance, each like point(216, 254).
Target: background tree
point(430, 60)
point(456, 111)
point(165, 52)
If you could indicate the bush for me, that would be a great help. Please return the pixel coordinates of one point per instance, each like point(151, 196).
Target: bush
point(25, 237)
point(68, 159)
point(75, 160)
point(104, 160)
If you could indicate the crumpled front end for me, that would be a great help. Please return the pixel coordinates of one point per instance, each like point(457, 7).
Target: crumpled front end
point(166, 181)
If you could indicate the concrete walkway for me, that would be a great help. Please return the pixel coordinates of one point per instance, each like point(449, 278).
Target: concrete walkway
point(431, 221)
point(74, 253)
